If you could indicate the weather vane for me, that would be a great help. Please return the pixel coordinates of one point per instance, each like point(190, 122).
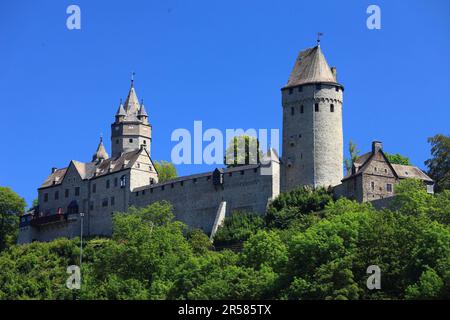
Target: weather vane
point(319, 34)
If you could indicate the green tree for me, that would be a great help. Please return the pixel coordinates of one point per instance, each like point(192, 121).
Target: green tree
point(238, 227)
point(166, 170)
point(295, 204)
point(398, 159)
point(242, 150)
point(353, 152)
point(439, 164)
point(11, 207)
point(429, 286)
point(265, 248)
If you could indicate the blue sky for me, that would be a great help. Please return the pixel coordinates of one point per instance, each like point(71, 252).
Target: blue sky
point(222, 62)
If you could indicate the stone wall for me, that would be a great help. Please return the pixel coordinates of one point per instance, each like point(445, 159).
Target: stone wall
point(196, 199)
point(312, 140)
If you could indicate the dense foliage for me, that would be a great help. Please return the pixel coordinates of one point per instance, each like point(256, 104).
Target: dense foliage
point(310, 247)
point(397, 158)
point(439, 164)
point(242, 150)
point(11, 206)
point(166, 170)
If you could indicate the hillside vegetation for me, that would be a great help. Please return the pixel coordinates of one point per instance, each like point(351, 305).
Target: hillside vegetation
point(308, 246)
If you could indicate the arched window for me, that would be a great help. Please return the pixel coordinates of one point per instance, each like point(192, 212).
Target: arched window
point(73, 207)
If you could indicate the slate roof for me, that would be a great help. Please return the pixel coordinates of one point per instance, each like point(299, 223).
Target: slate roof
point(402, 171)
point(311, 67)
point(90, 170)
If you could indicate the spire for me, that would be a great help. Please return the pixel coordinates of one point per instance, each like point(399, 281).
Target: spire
point(311, 67)
point(121, 110)
point(101, 153)
point(142, 111)
point(132, 103)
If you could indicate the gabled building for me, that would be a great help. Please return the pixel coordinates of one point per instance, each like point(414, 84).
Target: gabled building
point(372, 177)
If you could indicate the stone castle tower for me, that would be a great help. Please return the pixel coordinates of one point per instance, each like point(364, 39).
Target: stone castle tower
point(312, 123)
point(131, 129)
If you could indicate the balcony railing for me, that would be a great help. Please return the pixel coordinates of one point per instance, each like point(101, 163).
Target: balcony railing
point(54, 218)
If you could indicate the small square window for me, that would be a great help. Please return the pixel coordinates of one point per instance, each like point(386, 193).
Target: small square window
point(130, 140)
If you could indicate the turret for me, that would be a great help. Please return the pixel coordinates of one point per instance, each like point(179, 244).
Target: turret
point(312, 123)
point(131, 128)
point(101, 153)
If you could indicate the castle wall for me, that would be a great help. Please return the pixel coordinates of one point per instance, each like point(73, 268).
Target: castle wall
point(196, 199)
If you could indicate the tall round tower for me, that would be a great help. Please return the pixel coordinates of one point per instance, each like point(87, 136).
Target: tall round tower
point(312, 124)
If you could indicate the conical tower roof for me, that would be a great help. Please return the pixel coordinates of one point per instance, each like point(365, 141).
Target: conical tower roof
point(101, 153)
point(132, 103)
point(311, 67)
point(142, 111)
point(121, 110)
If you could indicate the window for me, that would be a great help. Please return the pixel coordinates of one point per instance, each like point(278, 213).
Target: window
point(130, 140)
point(137, 193)
point(66, 193)
point(372, 185)
point(291, 91)
point(375, 169)
point(116, 182)
point(195, 180)
point(56, 195)
point(255, 170)
point(123, 181)
point(117, 141)
point(171, 185)
point(145, 141)
point(318, 86)
point(107, 184)
point(113, 201)
point(77, 191)
point(152, 181)
point(143, 192)
point(105, 202)
point(300, 89)
point(331, 107)
point(337, 89)
point(292, 111)
point(94, 188)
point(91, 205)
point(163, 187)
point(242, 172)
point(182, 183)
point(316, 107)
point(45, 197)
point(230, 174)
point(389, 187)
point(301, 109)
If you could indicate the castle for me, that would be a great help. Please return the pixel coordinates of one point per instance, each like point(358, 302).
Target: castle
point(312, 141)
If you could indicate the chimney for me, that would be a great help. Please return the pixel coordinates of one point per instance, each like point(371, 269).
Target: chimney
point(54, 169)
point(376, 146)
point(334, 72)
